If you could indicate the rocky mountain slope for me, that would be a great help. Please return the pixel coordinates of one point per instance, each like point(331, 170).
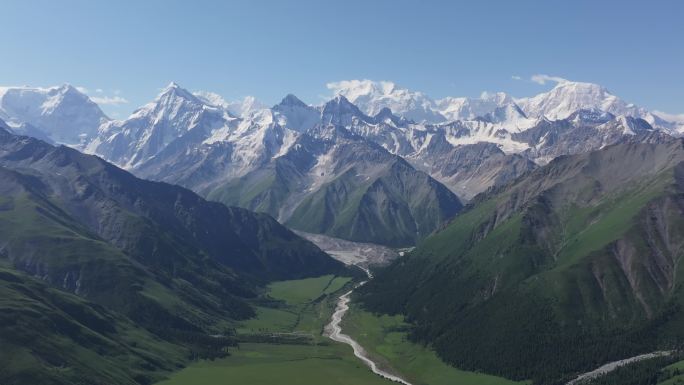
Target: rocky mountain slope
point(335, 184)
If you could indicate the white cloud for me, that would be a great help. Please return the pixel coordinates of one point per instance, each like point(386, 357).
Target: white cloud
point(679, 118)
point(347, 87)
point(109, 100)
point(516, 77)
point(542, 79)
point(342, 85)
point(103, 99)
point(212, 98)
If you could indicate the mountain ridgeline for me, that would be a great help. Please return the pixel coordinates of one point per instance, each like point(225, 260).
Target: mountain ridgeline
point(316, 176)
point(141, 258)
point(359, 192)
point(286, 160)
point(570, 266)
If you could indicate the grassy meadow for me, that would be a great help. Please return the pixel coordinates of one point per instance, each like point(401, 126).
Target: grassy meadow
point(304, 307)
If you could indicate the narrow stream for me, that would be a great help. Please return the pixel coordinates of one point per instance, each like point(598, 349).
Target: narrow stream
point(334, 332)
point(609, 367)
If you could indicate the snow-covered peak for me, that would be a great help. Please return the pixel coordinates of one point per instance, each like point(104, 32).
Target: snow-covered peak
point(295, 114)
point(671, 124)
point(371, 97)
point(171, 86)
point(246, 106)
point(340, 111)
point(625, 125)
point(567, 97)
point(472, 108)
point(211, 98)
point(174, 114)
point(173, 94)
point(497, 98)
point(172, 102)
point(262, 117)
point(240, 108)
point(387, 116)
point(291, 100)
point(174, 91)
point(62, 113)
point(341, 101)
point(358, 90)
point(510, 117)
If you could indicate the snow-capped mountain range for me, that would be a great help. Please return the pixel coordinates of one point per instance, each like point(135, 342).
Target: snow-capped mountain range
point(372, 141)
point(559, 103)
point(59, 114)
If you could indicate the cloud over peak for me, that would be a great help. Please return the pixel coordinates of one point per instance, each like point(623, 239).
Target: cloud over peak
point(543, 79)
point(109, 100)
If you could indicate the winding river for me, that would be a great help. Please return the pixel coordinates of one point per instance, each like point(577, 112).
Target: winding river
point(334, 332)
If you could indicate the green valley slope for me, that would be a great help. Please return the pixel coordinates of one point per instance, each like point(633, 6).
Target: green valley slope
point(573, 265)
point(52, 337)
point(146, 257)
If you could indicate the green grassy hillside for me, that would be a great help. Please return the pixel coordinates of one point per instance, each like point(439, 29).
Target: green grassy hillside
point(157, 258)
point(52, 337)
point(571, 266)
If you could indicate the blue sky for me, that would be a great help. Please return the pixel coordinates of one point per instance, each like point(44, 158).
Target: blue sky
point(130, 49)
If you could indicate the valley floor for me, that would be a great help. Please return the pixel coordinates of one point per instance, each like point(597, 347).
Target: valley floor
point(268, 364)
point(385, 339)
point(284, 345)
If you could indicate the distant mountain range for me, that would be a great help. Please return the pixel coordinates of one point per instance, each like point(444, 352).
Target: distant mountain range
point(364, 162)
point(57, 114)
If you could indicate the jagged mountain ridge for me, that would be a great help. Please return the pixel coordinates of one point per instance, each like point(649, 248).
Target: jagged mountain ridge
point(222, 156)
point(80, 181)
point(335, 183)
point(202, 142)
point(501, 122)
